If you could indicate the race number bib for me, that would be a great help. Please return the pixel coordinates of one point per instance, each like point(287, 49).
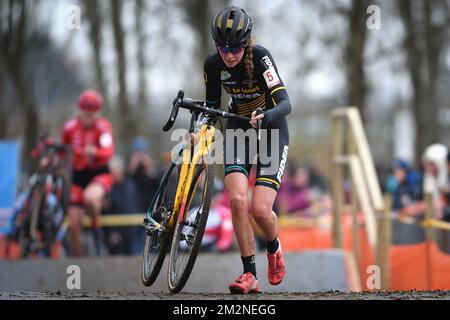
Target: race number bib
point(105, 140)
point(271, 77)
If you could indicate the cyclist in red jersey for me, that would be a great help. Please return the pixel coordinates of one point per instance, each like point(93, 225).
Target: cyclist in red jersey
point(91, 138)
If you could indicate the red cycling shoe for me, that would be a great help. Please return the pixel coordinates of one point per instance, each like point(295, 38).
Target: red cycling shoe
point(276, 269)
point(245, 283)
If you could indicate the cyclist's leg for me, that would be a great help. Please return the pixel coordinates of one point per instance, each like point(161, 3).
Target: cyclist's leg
point(236, 173)
point(94, 194)
point(268, 178)
point(262, 204)
point(268, 182)
point(236, 185)
point(75, 214)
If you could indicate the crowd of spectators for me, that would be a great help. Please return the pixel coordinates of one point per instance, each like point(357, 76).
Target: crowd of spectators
point(303, 194)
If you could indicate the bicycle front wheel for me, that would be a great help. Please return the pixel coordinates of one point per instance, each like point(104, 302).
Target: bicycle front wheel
point(158, 242)
point(189, 231)
point(28, 226)
point(56, 214)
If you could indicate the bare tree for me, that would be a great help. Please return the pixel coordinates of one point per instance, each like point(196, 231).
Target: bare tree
point(423, 43)
point(354, 54)
point(198, 14)
point(127, 128)
point(95, 20)
point(13, 41)
point(140, 9)
point(350, 45)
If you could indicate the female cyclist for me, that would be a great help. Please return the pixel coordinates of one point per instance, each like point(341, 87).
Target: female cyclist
point(249, 75)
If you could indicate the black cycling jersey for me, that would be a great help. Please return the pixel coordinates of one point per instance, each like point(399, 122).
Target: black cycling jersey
point(266, 91)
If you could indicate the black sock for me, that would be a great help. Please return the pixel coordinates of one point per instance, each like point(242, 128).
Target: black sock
point(272, 246)
point(249, 264)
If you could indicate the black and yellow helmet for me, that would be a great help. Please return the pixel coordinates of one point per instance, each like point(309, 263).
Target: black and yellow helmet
point(231, 27)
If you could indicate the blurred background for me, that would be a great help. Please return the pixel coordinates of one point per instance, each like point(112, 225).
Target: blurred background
point(139, 53)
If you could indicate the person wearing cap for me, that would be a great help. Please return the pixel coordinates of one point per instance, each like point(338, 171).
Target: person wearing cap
point(436, 162)
point(90, 136)
point(405, 186)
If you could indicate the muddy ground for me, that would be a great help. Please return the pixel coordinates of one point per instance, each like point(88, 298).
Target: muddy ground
point(330, 295)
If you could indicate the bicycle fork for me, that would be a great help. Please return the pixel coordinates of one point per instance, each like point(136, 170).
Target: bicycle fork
point(206, 140)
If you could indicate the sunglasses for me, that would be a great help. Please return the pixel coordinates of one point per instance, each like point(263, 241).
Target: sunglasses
point(225, 50)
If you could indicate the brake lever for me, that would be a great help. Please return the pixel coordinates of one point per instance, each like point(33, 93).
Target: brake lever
point(259, 129)
point(258, 112)
point(173, 115)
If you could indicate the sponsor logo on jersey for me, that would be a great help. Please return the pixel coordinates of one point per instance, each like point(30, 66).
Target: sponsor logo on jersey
point(245, 96)
point(248, 82)
point(224, 75)
point(282, 163)
point(267, 62)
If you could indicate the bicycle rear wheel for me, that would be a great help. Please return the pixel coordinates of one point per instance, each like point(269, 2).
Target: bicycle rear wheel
point(189, 232)
point(158, 242)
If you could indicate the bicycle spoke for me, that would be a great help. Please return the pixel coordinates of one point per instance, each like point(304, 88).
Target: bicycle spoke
point(158, 239)
point(189, 232)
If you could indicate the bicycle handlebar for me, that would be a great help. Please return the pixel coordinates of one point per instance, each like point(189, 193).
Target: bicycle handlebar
point(199, 106)
point(46, 145)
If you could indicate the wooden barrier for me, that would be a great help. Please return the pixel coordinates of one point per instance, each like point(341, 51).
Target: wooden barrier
point(351, 160)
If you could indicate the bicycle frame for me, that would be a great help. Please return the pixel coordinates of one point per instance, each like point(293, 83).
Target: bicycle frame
point(188, 165)
point(203, 141)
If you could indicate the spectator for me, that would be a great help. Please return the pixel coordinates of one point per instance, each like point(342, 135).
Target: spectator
point(296, 197)
point(404, 184)
point(316, 178)
point(122, 199)
point(436, 160)
point(436, 182)
point(144, 172)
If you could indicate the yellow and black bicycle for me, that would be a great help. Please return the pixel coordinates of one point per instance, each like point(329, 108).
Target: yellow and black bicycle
point(179, 211)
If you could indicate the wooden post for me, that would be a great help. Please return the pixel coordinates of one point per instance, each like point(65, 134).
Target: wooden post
point(356, 246)
point(429, 236)
point(384, 242)
point(355, 229)
point(368, 166)
point(337, 181)
point(364, 200)
point(428, 197)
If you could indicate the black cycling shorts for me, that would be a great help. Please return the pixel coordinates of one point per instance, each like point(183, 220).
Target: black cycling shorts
point(83, 178)
point(269, 154)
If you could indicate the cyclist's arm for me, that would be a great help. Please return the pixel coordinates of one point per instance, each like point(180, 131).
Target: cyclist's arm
point(67, 140)
point(105, 149)
point(275, 86)
point(212, 83)
point(282, 105)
